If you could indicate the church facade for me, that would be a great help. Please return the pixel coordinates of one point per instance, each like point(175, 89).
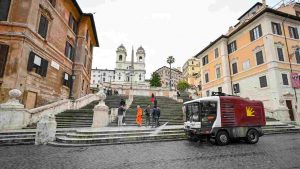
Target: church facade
point(127, 71)
point(134, 69)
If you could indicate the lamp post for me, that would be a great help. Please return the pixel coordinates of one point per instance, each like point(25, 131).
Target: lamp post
point(170, 60)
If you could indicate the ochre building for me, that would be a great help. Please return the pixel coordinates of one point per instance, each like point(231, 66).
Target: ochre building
point(259, 58)
point(46, 49)
point(191, 71)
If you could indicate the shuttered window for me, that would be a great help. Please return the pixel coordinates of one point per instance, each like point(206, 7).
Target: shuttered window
point(4, 9)
point(232, 47)
point(297, 55)
point(259, 58)
point(220, 89)
point(205, 60)
point(263, 81)
point(43, 26)
point(280, 54)
point(216, 53)
point(256, 33)
point(293, 32)
point(73, 23)
point(38, 63)
point(67, 80)
point(3, 58)
point(285, 80)
point(234, 68)
point(218, 72)
point(69, 51)
point(206, 78)
point(276, 28)
point(236, 88)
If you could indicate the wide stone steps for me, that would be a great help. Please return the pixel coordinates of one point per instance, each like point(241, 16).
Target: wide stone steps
point(118, 137)
point(25, 137)
point(84, 117)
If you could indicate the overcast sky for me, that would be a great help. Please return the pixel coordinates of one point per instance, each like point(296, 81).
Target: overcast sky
point(180, 28)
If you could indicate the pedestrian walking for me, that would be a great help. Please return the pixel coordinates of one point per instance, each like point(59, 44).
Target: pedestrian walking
point(152, 98)
point(178, 93)
point(121, 110)
point(155, 102)
point(139, 114)
point(158, 115)
point(147, 113)
point(155, 117)
point(122, 102)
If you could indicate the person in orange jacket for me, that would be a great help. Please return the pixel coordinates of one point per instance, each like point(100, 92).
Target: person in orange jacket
point(139, 116)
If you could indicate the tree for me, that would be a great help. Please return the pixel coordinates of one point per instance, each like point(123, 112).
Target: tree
point(182, 85)
point(155, 80)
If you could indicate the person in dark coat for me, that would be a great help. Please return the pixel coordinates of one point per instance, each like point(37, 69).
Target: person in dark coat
point(122, 102)
point(120, 115)
point(155, 102)
point(147, 112)
point(155, 116)
point(158, 115)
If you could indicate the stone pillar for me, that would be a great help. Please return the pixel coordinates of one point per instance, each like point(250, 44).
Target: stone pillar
point(101, 115)
point(113, 114)
point(46, 130)
point(13, 115)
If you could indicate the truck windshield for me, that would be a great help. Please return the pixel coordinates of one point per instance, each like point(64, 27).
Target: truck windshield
point(208, 111)
point(192, 112)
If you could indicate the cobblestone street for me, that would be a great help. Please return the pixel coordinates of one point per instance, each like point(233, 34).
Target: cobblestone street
point(273, 151)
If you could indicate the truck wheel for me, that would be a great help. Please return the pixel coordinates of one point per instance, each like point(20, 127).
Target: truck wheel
point(252, 136)
point(222, 138)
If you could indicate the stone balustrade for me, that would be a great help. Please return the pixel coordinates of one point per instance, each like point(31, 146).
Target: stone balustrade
point(13, 115)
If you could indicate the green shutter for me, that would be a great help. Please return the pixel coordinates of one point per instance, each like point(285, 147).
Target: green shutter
point(30, 61)
point(3, 57)
point(44, 68)
point(4, 9)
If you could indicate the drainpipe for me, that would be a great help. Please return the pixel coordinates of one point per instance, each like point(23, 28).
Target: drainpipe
point(290, 63)
point(229, 65)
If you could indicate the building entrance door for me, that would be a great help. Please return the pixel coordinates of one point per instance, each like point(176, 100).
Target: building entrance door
point(290, 107)
point(30, 100)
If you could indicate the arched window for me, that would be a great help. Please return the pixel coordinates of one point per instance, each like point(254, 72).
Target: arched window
point(140, 77)
point(140, 58)
point(120, 58)
point(297, 55)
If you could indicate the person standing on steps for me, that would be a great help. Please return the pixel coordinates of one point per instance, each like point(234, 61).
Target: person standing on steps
point(155, 116)
point(158, 116)
point(152, 98)
point(147, 112)
point(121, 110)
point(155, 102)
point(139, 114)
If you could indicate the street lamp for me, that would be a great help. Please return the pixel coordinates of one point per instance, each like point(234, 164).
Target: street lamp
point(170, 60)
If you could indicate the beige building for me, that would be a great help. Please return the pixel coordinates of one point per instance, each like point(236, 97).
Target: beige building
point(259, 58)
point(191, 72)
point(164, 73)
point(46, 49)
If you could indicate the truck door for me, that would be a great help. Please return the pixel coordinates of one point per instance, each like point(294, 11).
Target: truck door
point(208, 114)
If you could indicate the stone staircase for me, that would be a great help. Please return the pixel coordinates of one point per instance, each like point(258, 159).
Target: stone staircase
point(23, 137)
point(124, 135)
point(84, 117)
point(120, 135)
point(184, 96)
point(171, 111)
